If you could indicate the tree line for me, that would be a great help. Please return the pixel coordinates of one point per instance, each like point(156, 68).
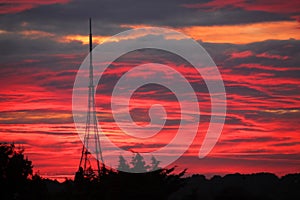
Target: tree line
point(17, 181)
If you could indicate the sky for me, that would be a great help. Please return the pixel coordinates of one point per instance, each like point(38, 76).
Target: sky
point(255, 44)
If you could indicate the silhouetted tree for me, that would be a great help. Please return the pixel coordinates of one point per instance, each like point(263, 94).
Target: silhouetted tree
point(157, 184)
point(138, 163)
point(13, 165)
point(15, 170)
point(154, 164)
point(123, 165)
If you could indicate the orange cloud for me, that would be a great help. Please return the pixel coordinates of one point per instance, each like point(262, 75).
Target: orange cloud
point(245, 33)
point(99, 39)
point(237, 34)
point(84, 39)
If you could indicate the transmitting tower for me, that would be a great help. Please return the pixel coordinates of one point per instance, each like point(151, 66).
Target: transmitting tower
point(91, 136)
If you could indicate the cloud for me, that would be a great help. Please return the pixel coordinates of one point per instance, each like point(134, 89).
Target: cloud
point(272, 56)
point(244, 33)
point(109, 17)
point(242, 54)
point(15, 6)
point(264, 5)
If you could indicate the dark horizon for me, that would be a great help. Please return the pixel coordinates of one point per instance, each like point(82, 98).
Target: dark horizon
point(17, 181)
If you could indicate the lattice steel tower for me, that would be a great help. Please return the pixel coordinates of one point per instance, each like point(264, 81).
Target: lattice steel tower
point(91, 130)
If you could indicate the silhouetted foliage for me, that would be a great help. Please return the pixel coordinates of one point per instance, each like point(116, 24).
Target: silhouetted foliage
point(137, 164)
point(165, 184)
point(112, 184)
point(14, 166)
point(16, 178)
point(260, 186)
point(18, 182)
point(154, 164)
point(123, 165)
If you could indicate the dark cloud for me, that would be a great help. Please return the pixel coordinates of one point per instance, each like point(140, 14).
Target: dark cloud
point(131, 146)
point(15, 47)
point(108, 15)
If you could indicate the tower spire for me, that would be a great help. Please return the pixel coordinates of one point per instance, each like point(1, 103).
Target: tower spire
point(91, 136)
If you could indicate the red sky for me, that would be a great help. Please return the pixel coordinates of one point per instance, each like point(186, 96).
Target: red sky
point(255, 46)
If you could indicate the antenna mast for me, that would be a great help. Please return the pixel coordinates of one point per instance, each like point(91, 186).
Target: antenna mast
point(91, 136)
